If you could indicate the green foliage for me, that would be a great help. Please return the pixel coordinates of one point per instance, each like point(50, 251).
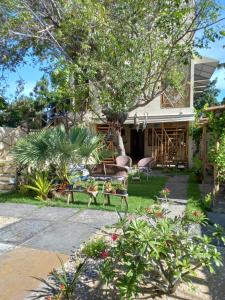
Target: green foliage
point(207, 201)
point(41, 185)
point(217, 153)
point(198, 165)
point(157, 251)
point(123, 48)
point(25, 112)
point(58, 148)
point(194, 202)
point(209, 96)
point(94, 248)
point(63, 282)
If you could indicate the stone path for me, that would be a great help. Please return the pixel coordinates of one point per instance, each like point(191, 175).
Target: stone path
point(31, 238)
point(178, 196)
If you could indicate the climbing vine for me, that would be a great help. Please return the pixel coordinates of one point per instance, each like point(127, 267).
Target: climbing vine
point(217, 142)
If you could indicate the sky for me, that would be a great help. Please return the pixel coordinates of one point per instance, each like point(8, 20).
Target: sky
point(31, 74)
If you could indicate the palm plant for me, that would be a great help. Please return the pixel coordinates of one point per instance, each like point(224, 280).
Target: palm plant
point(58, 148)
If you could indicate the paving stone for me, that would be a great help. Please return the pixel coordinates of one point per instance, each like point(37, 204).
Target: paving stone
point(19, 267)
point(52, 213)
point(218, 218)
point(5, 248)
point(62, 237)
point(4, 221)
point(21, 231)
point(95, 217)
point(16, 210)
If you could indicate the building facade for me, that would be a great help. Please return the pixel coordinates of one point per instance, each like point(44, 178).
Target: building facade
point(161, 129)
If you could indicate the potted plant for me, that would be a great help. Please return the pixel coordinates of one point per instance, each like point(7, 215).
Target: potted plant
point(108, 187)
point(79, 185)
point(198, 169)
point(121, 189)
point(92, 186)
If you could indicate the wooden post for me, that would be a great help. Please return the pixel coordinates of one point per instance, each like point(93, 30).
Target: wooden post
point(204, 150)
point(216, 186)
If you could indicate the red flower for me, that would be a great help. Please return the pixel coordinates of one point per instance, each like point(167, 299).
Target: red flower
point(104, 254)
point(49, 298)
point(62, 287)
point(159, 214)
point(149, 210)
point(196, 213)
point(114, 237)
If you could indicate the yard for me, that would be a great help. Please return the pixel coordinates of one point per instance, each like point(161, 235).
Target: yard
point(141, 195)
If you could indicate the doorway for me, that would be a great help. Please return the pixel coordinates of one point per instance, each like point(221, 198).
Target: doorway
point(137, 144)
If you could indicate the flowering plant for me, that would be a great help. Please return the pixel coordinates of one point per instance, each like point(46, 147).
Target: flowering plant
point(165, 193)
point(156, 251)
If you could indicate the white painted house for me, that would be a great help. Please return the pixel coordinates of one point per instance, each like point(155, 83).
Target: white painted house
point(161, 128)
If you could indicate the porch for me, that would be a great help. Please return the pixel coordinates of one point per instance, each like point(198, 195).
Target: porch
point(168, 143)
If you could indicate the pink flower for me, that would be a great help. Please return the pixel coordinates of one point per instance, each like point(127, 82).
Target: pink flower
point(49, 298)
point(114, 236)
point(167, 190)
point(62, 287)
point(104, 254)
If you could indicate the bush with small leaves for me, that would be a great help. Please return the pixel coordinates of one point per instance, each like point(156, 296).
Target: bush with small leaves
point(158, 251)
point(94, 248)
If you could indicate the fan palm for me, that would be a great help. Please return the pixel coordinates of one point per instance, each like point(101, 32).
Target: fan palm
point(54, 146)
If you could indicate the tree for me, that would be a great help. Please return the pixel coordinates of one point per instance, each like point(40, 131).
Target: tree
point(122, 53)
point(25, 112)
point(209, 96)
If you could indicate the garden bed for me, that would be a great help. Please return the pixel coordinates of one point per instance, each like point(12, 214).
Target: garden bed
point(205, 286)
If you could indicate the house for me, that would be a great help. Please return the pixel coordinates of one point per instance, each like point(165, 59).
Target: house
point(161, 129)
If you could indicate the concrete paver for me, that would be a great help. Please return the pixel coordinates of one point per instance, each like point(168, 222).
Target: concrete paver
point(21, 231)
point(5, 248)
point(4, 221)
point(52, 213)
point(95, 217)
point(178, 196)
point(61, 237)
point(16, 277)
point(16, 210)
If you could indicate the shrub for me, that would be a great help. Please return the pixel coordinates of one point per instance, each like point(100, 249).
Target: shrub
point(95, 248)
point(158, 251)
point(41, 185)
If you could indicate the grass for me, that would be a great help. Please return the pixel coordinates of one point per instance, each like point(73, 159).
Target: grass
point(194, 196)
point(141, 195)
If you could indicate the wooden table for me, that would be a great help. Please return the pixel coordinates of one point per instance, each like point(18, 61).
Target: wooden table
point(123, 198)
point(92, 195)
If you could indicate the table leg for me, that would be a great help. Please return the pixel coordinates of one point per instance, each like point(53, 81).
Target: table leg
point(90, 200)
point(124, 198)
point(69, 196)
point(95, 200)
point(108, 200)
point(72, 197)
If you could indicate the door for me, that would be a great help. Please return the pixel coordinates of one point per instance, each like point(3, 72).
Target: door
point(137, 144)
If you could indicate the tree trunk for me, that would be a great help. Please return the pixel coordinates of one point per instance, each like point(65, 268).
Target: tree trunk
point(118, 140)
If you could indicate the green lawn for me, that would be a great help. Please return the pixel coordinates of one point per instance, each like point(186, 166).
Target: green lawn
point(141, 195)
point(194, 195)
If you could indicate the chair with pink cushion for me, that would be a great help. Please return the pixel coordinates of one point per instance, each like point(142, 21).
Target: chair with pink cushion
point(145, 165)
point(124, 161)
